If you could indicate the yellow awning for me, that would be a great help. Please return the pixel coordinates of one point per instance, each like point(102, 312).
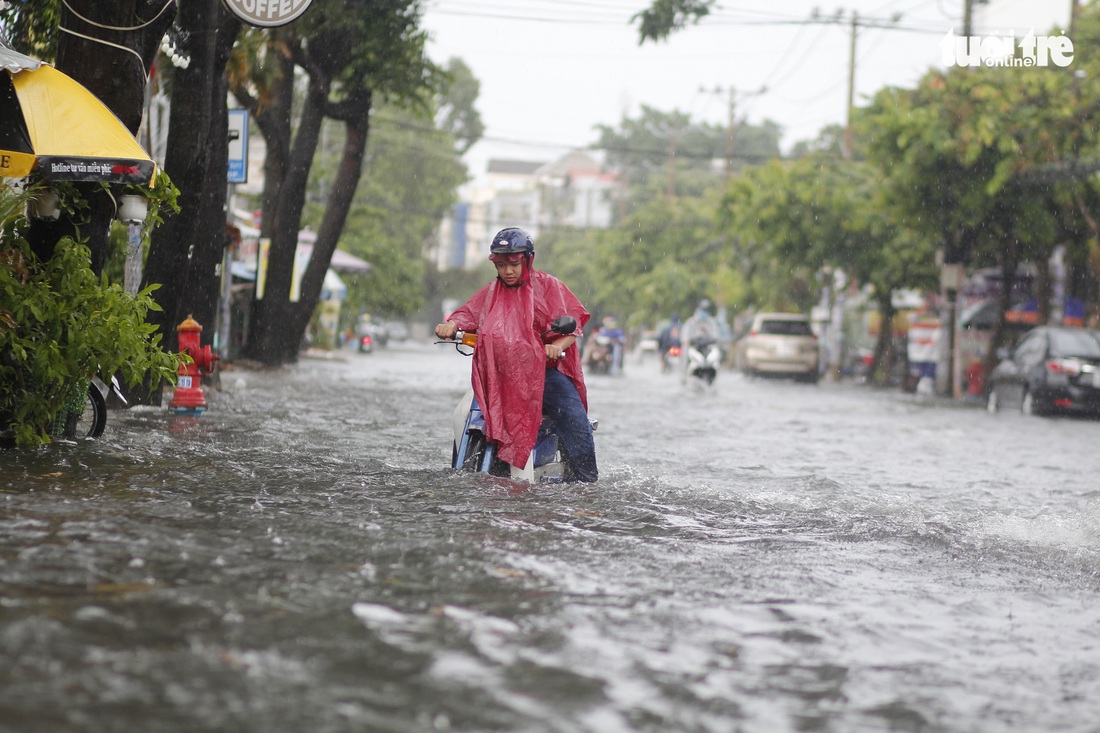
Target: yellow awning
point(72, 134)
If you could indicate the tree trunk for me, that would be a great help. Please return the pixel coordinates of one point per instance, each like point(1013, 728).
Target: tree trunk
point(1010, 261)
point(1091, 265)
point(187, 249)
point(1044, 290)
point(272, 338)
point(882, 360)
point(116, 75)
point(333, 49)
point(336, 214)
point(274, 118)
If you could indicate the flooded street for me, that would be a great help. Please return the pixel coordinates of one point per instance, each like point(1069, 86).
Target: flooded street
point(765, 557)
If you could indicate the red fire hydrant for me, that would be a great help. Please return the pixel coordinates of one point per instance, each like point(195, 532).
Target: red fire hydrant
point(188, 397)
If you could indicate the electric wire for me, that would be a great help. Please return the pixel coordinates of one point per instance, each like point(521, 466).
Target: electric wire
point(118, 46)
point(722, 18)
point(579, 12)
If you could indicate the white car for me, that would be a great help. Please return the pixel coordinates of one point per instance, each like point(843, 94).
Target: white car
point(780, 344)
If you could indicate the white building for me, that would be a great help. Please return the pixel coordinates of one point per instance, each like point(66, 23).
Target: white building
point(571, 192)
point(575, 192)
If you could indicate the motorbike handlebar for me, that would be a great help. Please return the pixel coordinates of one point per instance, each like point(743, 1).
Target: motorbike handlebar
point(564, 325)
point(461, 338)
point(465, 338)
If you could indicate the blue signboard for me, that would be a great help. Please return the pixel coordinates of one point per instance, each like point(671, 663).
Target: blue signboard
point(238, 146)
point(461, 216)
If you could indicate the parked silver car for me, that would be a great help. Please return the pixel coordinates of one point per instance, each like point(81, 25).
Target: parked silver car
point(779, 344)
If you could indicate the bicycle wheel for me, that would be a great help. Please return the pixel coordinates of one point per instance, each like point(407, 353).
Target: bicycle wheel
point(92, 420)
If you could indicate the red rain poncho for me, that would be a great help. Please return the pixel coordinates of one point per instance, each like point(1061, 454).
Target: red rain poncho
point(509, 367)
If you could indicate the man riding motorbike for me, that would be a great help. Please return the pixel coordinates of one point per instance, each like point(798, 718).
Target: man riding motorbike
point(701, 325)
point(521, 372)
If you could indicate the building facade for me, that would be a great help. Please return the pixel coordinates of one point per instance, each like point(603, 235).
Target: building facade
point(570, 192)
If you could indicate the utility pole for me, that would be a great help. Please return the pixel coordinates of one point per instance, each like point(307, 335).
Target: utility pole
point(731, 121)
point(953, 277)
point(854, 24)
point(729, 138)
point(670, 186)
point(851, 85)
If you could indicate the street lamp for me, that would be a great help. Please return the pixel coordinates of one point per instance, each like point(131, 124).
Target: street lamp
point(46, 206)
point(132, 213)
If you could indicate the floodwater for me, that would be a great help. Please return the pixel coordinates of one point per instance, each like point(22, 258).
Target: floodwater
point(763, 557)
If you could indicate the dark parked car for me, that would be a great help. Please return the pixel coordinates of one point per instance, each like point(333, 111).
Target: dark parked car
point(1051, 369)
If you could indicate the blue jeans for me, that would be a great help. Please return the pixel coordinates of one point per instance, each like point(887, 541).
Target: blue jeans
point(562, 404)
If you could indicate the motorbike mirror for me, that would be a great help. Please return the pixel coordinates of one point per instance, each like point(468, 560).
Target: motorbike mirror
point(118, 389)
point(564, 325)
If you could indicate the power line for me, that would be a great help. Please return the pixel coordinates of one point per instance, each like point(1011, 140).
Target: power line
point(657, 152)
point(810, 47)
point(719, 19)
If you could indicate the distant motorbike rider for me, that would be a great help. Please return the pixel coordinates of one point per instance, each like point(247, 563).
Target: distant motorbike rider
point(609, 338)
point(519, 375)
point(667, 338)
point(701, 325)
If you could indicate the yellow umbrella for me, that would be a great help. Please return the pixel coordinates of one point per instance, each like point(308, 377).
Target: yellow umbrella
point(49, 122)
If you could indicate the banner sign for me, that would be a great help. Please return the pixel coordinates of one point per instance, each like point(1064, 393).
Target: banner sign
point(238, 146)
point(107, 170)
point(267, 13)
point(301, 262)
point(262, 256)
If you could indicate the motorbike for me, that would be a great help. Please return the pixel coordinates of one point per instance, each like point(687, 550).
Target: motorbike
point(472, 451)
point(600, 355)
point(670, 357)
point(703, 360)
point(90, 419)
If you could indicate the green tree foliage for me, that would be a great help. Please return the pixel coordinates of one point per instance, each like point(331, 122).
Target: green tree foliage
point(33, 29)
point(409, 181)
point(354, 55)
point(60, 324)
point(829, 141)
point(816, 215)
point(662, 258)
point(662, 17)
point(411, 173)
point(457, 102)
point(785, 225)
point(668, 154)
point(982, 160)
point(666, 251)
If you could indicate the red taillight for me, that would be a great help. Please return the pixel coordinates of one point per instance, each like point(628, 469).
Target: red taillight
point(868, 359)
point(1069, 367)
point(1063, 403)
point(366, 341)
point(674, 351)
point(754, 332)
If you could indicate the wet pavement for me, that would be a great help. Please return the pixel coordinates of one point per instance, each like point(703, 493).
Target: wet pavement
point(764, 556)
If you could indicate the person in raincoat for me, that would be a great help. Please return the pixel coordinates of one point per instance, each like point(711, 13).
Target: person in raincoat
point(521, 372)
point(700, 325)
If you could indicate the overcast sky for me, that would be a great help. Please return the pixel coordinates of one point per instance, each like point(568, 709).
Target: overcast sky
point(551, 70)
